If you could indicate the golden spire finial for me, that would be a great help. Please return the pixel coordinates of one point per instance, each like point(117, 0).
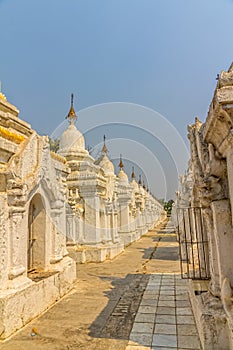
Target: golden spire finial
point(140, 180)
point(104, 149)
point(121, 165)
point(72, 115)
point(133, 174)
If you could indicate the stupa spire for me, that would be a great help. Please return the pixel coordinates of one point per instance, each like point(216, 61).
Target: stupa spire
point(133, 174)
point(121, 165)
point(140, 180)
point(104, 149)
point(72, 117)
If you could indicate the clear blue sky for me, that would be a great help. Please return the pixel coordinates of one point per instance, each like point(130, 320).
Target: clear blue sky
point(163, 54)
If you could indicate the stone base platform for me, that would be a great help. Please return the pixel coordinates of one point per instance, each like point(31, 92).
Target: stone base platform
point(28, 298)
point(129, 237)
point(210, 318)
point(98, 253)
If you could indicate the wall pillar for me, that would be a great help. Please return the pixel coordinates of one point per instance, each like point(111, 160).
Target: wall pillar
point(58, 238)
point(92, 220)
point(223, 233)
point(4, 248)
point(124, 216)
point(17, 261)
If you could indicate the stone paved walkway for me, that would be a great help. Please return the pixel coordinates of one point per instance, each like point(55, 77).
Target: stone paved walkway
point(164, 319)
point(135, 302)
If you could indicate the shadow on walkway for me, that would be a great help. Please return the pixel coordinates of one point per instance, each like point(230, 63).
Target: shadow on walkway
point(166, 253)
point(117, 318)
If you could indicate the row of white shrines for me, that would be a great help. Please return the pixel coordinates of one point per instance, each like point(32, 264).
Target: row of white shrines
point(57, 209)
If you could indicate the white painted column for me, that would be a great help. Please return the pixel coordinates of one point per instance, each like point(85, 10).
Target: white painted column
point(18, 243)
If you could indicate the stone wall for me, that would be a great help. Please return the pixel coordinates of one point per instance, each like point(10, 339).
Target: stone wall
point(211, 147)
point(34, 259)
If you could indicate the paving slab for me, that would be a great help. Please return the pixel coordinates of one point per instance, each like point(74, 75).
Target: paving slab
point(183, 311)
point(185, 320)
point(142, 327)
point(143, 339)
point(149, 302)
point(147, 309)
point(168, 340)
point(186, 329)
point(145, 318)
point(188, 341)
point(164, 310)
point(163, 328)
point(167, 319)
point(137, 347)
point(163, 297)
point(167, 303)
point(162, 348)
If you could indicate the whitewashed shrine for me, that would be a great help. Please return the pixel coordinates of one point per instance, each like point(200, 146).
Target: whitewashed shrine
point(35, 269)
point(57, 209)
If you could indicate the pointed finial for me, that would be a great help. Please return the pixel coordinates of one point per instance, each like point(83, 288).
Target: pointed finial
point(2, 96)
point(104, 149)
point(121, 165)
point(133, 174)
point(140, 180)
point(72, 115)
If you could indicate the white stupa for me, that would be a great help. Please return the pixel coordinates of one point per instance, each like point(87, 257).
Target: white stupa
point(72, 142)
point(104, 162)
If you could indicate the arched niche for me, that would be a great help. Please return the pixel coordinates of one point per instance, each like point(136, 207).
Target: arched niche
point(36, 234)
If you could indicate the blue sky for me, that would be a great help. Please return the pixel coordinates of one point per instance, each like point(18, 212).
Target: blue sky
point(162, 54)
